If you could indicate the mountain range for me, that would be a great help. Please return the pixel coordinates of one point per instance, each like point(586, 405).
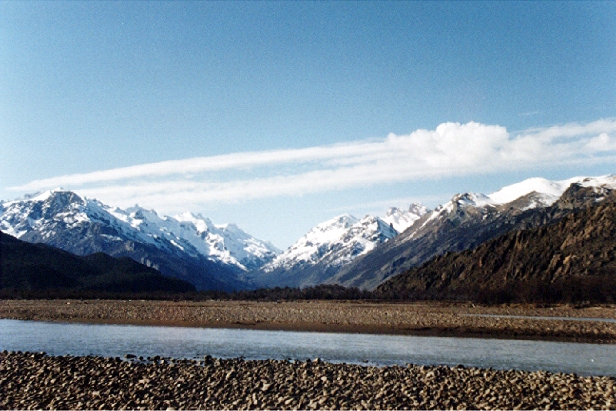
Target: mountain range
point(471, 219)
point(317, 256)
point(358, 252)
point(188, 247)
point(571, 260)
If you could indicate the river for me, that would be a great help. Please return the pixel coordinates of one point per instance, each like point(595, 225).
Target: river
point(369, 349)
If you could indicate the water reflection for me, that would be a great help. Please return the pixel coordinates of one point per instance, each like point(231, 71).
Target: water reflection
point(184, 342)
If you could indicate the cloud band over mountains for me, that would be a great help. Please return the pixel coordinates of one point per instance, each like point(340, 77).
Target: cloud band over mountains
point(451, 149)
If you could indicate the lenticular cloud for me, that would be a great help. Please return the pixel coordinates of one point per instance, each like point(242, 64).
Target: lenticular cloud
point(450, 149)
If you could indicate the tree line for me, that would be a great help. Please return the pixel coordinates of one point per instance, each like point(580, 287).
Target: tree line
point(596, 290)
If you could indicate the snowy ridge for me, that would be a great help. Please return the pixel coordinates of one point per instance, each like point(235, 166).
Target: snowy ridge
point(327, 249)
point(541, 192)
point(547, 191)
point(401, 220)
point(470, 219)
point(311, 247)
point(44, 211)
point(338, 241)
point(54, 210)
point(227, 242)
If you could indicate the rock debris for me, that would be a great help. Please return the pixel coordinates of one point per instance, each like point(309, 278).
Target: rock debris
point(39, 381)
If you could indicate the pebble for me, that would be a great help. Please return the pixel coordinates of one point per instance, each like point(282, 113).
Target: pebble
point(39, 381)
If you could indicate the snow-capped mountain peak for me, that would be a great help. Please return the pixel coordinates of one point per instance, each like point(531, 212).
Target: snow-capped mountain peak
point(45, 210)
point(201, 223)
point(470, 219)
point(59, 210)
point(335, 242)
point(400, 220)
point(549, 191)
point(533, 193)
point(309, 248)
point(228, 242)
point(546, 191)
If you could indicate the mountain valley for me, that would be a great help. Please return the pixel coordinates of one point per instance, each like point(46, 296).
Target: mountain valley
point(345, 250)
point(315, 258)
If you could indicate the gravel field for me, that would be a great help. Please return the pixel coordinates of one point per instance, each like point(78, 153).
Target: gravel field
point(426, 318)
point(37, 381)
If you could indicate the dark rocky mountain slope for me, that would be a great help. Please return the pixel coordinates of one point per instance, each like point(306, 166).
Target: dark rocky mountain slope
point(40, 267)
point(464, 224)
point(571, 260)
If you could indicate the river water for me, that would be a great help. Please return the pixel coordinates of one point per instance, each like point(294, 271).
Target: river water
point(185, 342)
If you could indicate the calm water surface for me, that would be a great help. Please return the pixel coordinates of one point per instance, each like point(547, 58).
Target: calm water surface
point(184, 342)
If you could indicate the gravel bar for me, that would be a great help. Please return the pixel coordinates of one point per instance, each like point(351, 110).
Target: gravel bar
point(39, 381)
point(421, 318)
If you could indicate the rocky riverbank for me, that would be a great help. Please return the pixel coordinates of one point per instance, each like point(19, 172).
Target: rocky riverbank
point(422, 318)
point(37, 381)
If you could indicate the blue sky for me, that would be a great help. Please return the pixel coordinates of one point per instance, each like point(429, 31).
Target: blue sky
point(280, 115)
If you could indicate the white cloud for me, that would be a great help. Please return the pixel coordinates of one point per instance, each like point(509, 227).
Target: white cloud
point(603, 142)
point(246, 160)
point(450, 149)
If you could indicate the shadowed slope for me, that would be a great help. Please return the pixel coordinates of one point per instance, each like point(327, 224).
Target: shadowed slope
point(39, 267)
point(574, 259)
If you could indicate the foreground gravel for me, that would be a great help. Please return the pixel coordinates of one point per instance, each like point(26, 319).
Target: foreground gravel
point(38, 381)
